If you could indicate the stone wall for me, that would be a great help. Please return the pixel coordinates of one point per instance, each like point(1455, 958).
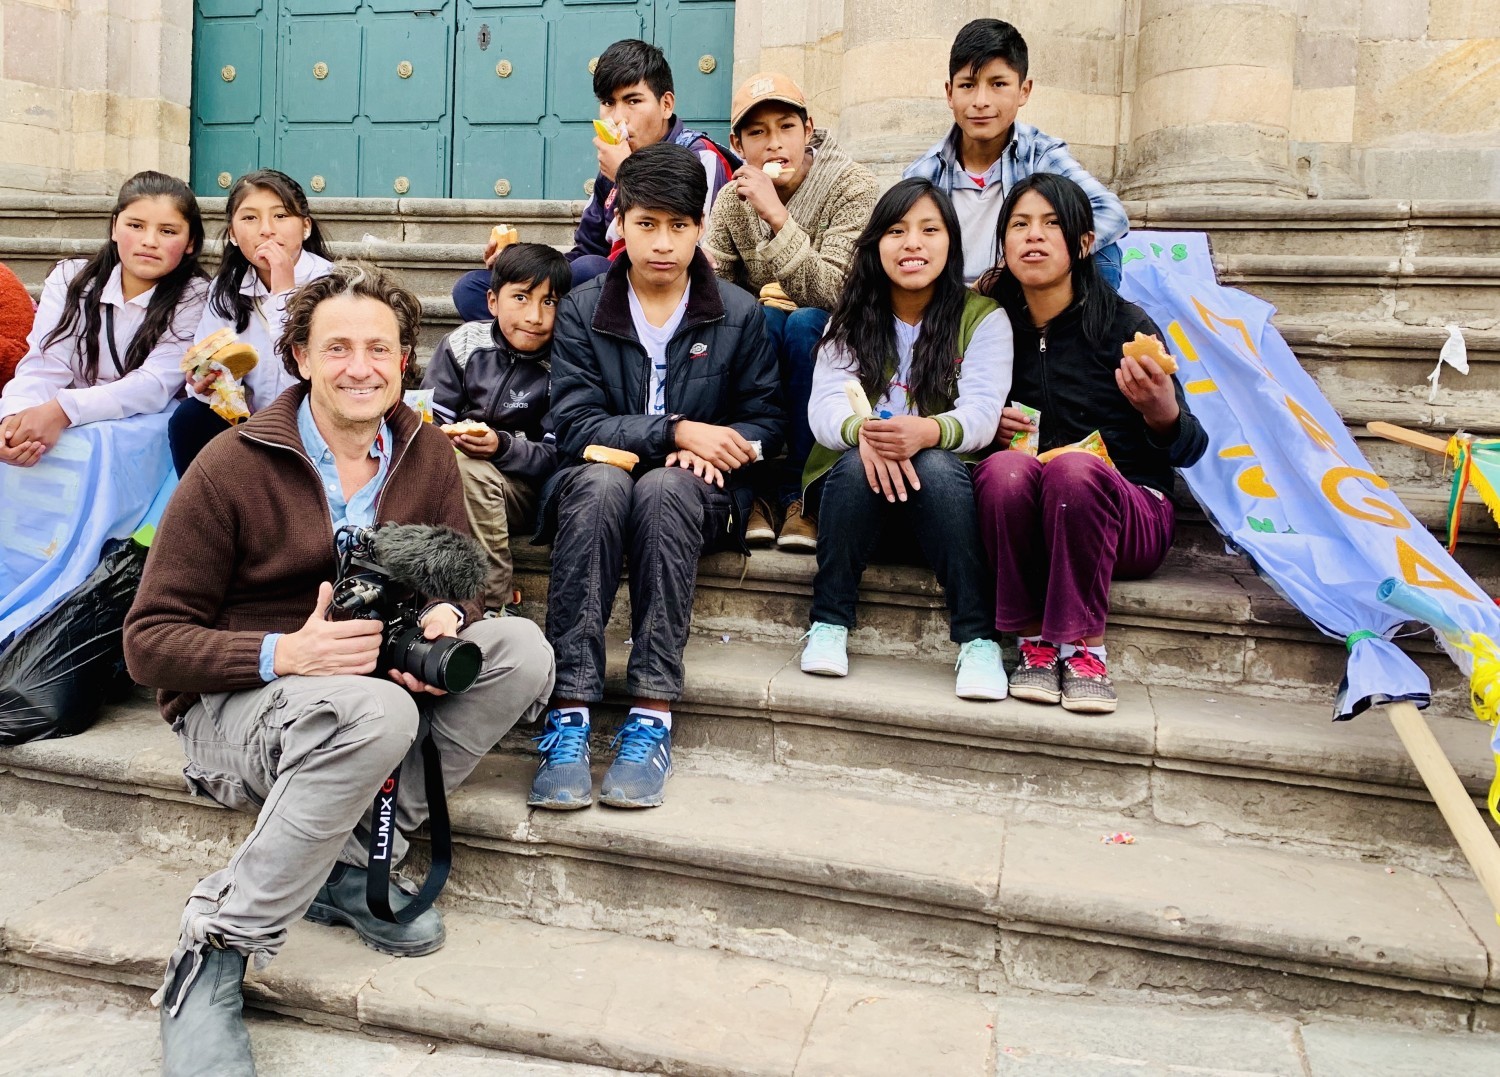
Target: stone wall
point(1299, 98)
point(92, 91)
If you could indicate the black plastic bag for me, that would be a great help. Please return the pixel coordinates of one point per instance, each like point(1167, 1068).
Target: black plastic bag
point(59, 671)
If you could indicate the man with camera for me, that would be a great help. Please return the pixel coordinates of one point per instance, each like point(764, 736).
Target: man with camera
point(285, 710)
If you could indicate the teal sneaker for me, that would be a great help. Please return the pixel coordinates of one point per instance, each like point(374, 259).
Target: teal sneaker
point(563, 781)
point(980, 673)
point(827, 650)
point(638, 776)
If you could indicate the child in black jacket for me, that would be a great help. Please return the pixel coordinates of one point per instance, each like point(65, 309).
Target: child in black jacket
point(490, 385)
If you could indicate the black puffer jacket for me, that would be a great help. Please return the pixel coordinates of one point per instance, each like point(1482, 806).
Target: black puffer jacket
point(476, 374)
point(1072, 383)
point(721, 369)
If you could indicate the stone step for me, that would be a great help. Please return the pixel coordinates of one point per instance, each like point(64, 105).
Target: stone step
point(586, 997)
point(822, 881)
point(1272, 226)
point(1192, 625)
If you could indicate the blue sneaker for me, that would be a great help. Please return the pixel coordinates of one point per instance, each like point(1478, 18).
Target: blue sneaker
point(638, 776)
point(827, 650)
point(563, 781)
point(980, 673)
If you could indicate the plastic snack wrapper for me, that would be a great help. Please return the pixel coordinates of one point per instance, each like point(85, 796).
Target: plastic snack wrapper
point(1094, 443)
point(420, 401)
point(1027, 441)
point(227, 399)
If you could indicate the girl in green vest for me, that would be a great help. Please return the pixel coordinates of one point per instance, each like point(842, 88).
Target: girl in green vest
point(934, 361)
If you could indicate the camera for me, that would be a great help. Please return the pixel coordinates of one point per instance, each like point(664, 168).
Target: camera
point(389, 574)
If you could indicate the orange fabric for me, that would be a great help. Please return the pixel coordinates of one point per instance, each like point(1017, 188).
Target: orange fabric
point(16, 314)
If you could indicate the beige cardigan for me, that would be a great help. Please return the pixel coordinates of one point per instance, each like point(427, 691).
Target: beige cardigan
point(810, 256)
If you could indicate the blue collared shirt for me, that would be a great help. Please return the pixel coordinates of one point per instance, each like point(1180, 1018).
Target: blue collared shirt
point(358, 510)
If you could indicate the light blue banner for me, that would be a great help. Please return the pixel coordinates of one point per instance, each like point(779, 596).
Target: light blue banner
point(1286, 484)
point(99, 482)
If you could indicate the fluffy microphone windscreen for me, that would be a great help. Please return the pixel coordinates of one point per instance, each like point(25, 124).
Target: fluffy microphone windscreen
point(434, 561)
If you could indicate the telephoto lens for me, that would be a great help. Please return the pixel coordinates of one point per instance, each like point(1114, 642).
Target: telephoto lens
point(446, 663)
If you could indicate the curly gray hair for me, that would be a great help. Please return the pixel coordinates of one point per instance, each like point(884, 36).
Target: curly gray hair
point(347, 278)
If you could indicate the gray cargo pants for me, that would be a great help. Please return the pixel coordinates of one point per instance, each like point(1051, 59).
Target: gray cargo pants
point(307, 754)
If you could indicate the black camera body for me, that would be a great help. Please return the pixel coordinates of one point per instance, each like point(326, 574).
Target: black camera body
point(388, 574)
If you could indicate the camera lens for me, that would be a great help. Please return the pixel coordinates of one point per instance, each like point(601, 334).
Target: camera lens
point(446, 663)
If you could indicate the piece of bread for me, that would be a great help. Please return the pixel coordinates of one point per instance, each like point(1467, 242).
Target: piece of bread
point(466, 426)
point(239, 357)
point(503, 235)
point(607, 133)
point(1143, 348)
point(202, 352)
point(603, 454)
point(859, 400)
point(775, 169)
point(774, 295)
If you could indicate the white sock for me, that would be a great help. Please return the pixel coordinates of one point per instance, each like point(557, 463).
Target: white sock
point(1099, 652)
point(582, 713)
point(664, 717)
point(1030, 639)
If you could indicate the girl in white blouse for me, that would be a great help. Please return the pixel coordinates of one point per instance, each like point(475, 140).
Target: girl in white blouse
point(272, 246)
point(110, 330)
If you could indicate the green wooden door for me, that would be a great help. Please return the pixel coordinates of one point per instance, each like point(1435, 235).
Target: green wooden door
point(469, 98)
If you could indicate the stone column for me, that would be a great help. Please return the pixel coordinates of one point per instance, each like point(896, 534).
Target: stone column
point(1212, 100)
point(92, 91)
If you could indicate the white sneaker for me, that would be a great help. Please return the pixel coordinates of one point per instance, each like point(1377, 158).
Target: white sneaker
point(827, 651)
point(981, 675)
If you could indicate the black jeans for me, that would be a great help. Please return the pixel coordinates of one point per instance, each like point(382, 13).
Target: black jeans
point(664, 520)
point(941, 517)
point(192, 426)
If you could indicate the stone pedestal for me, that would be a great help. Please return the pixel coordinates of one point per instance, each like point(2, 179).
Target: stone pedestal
point(1212, 101)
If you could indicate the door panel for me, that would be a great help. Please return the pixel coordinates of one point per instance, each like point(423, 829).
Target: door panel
point(519, 42)
point(223, 154)
point(319, 7)
point(407, 74)
point(227, 83)
point(572, 162)
point(696, 34)
point(404, 162)
point(510, 157)
point(219, 9)
point(320, 70)
point(325, 160)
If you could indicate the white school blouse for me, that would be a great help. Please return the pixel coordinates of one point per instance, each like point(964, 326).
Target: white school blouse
point(56, 371)
point(269, 378)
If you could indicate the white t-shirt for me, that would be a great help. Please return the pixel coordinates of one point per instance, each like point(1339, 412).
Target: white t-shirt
point(655, 339)
point(978, 210)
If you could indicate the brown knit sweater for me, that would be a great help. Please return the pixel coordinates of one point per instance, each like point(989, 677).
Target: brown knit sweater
point(810, 256)
point(246, 540)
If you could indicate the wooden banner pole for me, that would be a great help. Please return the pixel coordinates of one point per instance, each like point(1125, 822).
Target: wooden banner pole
point(1463, 818)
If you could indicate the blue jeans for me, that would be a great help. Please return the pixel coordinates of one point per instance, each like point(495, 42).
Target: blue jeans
point(1108, 261)
point(470, 293)
point(794, 336)
point(941, 516)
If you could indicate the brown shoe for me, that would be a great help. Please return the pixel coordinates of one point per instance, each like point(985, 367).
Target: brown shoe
point(760, 529)
point(798, 532)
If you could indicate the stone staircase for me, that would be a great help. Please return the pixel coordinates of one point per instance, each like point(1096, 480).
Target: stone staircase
point(870, 875)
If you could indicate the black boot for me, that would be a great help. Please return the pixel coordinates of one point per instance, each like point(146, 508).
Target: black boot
point(206, 1037)
point(342, 900)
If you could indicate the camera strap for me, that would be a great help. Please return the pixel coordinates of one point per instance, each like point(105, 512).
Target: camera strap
point(383, 839)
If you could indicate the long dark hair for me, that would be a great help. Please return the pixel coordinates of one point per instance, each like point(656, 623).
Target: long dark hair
point(1075, 216)
point(861, 321)
point(227, 300)
point(81, 307)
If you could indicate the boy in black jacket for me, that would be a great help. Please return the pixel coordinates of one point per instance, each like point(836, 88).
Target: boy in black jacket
point(659, 358)
point(496, 373)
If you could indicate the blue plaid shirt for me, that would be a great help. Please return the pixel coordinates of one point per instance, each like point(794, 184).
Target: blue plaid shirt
point(1028, 152)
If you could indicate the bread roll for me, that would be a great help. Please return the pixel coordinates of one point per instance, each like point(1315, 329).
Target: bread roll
point(503, 235)
point(603, 454)
point(1144, 348)
point(240, 358)
point(466, 426)
point(202, 352)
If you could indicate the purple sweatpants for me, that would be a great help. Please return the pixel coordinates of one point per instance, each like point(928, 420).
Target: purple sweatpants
point(1059, 532)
